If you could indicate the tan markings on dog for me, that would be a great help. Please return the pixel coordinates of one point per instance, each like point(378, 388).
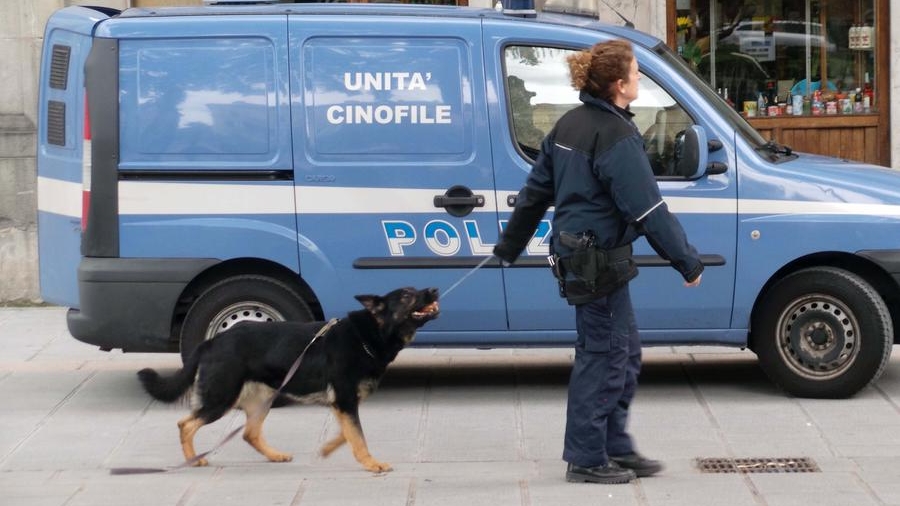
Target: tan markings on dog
point(254, 389)
point(332, 445)
point(325, 397)
point(366, 387)
point(188, 427)
point(352, 433)
point(252, 393)
point(256, 409)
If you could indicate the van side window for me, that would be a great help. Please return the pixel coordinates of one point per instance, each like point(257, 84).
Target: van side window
point(660, 118)
point(539, 92)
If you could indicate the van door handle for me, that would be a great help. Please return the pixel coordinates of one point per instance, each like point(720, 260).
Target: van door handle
point(459, 201)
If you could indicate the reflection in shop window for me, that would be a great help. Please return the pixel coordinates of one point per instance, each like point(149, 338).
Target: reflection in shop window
point(800, 57)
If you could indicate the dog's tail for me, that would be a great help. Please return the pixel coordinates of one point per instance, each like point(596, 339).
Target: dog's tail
point(171, 388)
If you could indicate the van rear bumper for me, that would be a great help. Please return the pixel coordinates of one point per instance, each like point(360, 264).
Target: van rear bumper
point(129, 303)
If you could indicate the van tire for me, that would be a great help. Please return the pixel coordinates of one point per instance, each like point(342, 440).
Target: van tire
point(237, 299)
point(822, 332)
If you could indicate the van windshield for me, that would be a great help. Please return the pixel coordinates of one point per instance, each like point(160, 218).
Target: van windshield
point(677, 64)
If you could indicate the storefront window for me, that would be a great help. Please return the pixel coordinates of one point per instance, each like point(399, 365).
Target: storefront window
point(774, 57)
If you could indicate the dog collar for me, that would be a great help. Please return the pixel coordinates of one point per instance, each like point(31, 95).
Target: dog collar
point(368, 351)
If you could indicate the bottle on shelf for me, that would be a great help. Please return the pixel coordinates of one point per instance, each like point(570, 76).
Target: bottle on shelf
point(818, 108)
point(868, 95)
point(761, 105)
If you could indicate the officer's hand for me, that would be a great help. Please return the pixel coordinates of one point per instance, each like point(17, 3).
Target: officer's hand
point(695, 282)
point(505, 252)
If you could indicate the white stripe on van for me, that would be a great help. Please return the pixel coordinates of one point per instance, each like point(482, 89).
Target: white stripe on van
point(160, 197)
point(59, 197)
point(155, 198)
point(768, 207)
point(345, 200)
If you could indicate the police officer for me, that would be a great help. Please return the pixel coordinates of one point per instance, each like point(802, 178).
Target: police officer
point(592, 167)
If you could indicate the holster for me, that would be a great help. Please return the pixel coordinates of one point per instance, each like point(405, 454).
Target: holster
point(591, 272)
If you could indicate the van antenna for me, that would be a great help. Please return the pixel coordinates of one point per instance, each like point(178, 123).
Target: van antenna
point(628, 23)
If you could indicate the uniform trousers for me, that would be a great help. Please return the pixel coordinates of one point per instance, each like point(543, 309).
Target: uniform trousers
point(603, 381)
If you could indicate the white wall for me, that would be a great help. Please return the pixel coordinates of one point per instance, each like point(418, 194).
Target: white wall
point(647, 15)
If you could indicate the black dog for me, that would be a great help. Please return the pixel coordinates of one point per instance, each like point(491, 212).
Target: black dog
point(245, 365)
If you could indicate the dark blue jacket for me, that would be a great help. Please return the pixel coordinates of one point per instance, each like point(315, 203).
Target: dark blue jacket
point(593, 168)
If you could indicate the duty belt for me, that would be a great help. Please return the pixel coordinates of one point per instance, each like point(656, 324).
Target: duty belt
point(613, 255)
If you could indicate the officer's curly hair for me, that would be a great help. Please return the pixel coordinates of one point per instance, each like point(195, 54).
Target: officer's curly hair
point(597, 69)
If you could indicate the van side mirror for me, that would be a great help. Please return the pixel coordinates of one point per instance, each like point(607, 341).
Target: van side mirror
point(691, 152)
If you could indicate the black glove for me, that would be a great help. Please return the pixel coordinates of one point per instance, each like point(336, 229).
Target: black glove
point(506, 251)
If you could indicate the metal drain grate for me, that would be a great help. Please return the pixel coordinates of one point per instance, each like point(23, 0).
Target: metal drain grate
point(758, 465)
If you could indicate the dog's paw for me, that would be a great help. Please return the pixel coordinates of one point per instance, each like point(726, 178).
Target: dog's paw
point(280, 457)
point(200, 463)
point(377, 467)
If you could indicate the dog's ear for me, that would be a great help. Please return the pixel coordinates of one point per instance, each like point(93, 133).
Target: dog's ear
point(372, 303)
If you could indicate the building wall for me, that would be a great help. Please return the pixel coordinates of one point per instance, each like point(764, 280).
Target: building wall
point(895, 83)
point(21, 33)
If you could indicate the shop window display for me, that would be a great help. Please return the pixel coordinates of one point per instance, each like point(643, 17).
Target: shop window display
point(777, 57)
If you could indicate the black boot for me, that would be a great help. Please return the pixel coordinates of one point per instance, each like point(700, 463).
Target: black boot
point(642, 466)
point(609, 474)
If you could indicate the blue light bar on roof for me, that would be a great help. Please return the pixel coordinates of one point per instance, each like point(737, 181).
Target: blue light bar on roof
point(524, 8)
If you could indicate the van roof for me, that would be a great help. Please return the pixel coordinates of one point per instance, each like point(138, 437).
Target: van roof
point(310, 8)
point(374, 9)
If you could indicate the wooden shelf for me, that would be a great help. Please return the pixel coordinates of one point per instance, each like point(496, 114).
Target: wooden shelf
point(823, 121)
point(849, 136)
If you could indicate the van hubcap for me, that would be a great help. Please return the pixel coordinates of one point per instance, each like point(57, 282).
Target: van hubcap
point(818, 337)
point(247, 311)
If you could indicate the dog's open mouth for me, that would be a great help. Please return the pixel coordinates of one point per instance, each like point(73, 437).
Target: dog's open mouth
point(428, 311)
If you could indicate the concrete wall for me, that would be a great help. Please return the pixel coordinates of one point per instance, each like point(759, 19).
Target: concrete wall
point(21, 34)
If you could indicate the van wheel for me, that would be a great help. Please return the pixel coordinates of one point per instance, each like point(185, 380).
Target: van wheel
point(239, 299)
point(823, 333)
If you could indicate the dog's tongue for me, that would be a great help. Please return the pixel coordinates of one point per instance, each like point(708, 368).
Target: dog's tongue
point(430, 309)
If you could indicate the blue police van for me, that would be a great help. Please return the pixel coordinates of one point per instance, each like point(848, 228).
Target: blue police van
point(202, 166)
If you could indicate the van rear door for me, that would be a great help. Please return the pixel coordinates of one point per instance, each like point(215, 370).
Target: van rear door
point(62, 145)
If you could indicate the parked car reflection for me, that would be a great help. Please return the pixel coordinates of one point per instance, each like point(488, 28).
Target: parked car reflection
point(755, 36)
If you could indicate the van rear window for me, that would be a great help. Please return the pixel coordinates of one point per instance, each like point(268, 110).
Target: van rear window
point(198, 97)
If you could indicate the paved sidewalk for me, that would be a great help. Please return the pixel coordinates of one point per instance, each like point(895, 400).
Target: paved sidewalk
point(461, 427)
